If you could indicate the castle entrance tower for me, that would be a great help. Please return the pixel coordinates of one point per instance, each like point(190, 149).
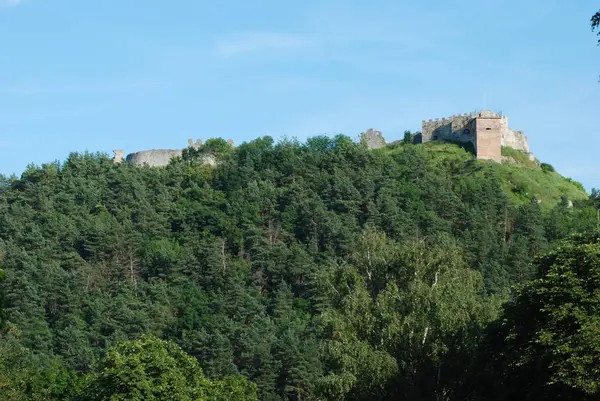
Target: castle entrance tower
point(488, 135)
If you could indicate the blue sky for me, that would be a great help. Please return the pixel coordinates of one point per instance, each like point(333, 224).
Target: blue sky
point(101, 75)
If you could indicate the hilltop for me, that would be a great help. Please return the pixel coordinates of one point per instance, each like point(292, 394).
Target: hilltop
point(294, 270)
point(521, 178)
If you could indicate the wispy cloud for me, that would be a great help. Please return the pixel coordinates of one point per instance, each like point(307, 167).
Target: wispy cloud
point(298, 83)
point(85, 88)
point(330, 34)
point(10, 3)
point(256, 41)
point(30, 117)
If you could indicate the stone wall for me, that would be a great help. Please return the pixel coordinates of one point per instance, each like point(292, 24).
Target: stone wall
point(456, 128)
point(373, 139)
point(488, 138)
point(154, 158)
point(119, 156)
point(162, 157)
point(515, 139)
point(461, 128)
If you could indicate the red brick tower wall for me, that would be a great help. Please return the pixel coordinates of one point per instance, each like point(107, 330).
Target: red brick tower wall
point(488, 138)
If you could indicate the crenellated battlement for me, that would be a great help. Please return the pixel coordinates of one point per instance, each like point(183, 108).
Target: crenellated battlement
point(467, 127)
point(488, 131)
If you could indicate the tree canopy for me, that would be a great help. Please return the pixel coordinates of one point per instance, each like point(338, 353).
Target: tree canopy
point(546, 345)
point(596, 23)
point(316, 270)
point(151, 369)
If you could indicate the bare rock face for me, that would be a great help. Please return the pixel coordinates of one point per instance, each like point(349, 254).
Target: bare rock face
point(373, 139)
point(153, 158)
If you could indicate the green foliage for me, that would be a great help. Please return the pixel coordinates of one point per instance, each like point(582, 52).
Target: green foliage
point(521, 183)
point(232, 388)
point(520, 178)
point(286, 271)
point(216, 148)
point(453, 148)
point(396, 312)
point(25, 375)
point(547, 168)
point(547, 345)
point(518, 157)
point(595, 21)
point(576, 183)
point(148, 369)
point(153, 369)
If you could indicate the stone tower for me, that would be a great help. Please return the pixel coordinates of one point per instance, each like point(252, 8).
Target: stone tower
point(373, 139)
point(486, 130)
point(488, 136)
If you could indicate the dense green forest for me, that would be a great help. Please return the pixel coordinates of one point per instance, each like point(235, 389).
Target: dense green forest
point(319, 270)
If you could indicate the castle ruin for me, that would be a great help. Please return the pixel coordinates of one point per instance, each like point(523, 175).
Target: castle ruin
point(373, 139)
point(159, 157)
point(486, 130)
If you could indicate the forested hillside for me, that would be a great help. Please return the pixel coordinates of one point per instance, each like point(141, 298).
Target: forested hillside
point(291, 271)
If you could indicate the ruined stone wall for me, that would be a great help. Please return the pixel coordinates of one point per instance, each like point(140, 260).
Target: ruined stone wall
point(515, 139)
point(119, 156)
point(461, 128)
point(373, 139)
point(154, 158)
point(458, 127)
point(162, 157)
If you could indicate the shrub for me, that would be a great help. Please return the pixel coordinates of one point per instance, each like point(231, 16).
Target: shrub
point(547, 168)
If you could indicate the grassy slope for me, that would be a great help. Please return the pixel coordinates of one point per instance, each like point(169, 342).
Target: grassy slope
point(522, 179)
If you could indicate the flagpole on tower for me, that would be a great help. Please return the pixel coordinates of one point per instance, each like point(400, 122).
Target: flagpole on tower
point(485, 99)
